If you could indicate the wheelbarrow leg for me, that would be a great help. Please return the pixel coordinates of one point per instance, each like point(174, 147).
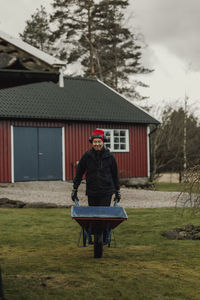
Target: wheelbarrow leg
point(89, 230)
point(98, 244)
point(84, 238)
point(108, 235)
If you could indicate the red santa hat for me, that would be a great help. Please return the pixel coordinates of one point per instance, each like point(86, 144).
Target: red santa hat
point(98, 134)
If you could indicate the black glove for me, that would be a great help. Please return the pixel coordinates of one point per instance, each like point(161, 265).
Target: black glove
point(117, 196)
point(74, 194)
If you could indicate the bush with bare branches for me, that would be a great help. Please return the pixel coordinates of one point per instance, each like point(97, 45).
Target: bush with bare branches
point(190, 194)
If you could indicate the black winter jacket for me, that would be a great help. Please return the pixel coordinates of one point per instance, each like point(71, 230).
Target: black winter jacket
point(101, 173)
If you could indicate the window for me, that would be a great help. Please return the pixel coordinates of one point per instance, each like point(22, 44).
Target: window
point(117, 140)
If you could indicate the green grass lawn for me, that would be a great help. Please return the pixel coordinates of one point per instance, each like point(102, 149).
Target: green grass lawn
point(40, 258)
point(169, 187)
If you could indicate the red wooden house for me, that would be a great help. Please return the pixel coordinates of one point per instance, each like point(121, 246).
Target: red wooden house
point(44, 127)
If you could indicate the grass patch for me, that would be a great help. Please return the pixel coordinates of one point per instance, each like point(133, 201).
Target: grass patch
point(168, 187)
point(40, 258)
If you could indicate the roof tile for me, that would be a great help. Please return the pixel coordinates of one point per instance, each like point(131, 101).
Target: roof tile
point(81, 99)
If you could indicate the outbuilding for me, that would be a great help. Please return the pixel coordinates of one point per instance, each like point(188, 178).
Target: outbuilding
point(44, 129)
point(21, 63)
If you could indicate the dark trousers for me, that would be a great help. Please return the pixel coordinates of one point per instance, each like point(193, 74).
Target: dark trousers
point(99, 200)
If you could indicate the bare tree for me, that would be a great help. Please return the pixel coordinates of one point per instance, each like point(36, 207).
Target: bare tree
point(175, 144)
point(190, 194)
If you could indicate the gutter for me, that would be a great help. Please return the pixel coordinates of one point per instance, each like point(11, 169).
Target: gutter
point(151, 132)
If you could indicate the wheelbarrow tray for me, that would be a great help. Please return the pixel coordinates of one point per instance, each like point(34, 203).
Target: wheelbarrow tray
point(98, 216)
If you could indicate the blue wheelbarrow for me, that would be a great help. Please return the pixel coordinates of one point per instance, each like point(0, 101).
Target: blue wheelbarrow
point(98, 221)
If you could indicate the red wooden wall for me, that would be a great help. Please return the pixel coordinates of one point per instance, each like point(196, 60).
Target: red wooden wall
point(130, 164)
point(5, 151)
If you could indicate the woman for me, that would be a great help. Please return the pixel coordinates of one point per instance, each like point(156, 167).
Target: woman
point(102, 180)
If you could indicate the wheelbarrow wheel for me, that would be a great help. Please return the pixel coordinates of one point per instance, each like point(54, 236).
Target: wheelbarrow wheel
point(98, 245)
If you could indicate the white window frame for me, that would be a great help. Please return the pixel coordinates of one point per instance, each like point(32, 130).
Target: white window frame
point(12, 155)
point(63, 153)
point(112, 139)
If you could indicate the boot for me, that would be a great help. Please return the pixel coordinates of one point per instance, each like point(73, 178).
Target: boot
point(90, 242)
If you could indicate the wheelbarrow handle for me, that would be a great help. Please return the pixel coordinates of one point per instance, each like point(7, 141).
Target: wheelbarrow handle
point(76, 202)
point(115, 202)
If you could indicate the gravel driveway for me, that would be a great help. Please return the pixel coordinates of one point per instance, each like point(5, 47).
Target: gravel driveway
point(59, 193)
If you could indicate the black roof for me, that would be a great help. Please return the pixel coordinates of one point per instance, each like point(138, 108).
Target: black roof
point(81, 99)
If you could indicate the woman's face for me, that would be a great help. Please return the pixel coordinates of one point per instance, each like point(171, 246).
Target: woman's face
point(97, 144)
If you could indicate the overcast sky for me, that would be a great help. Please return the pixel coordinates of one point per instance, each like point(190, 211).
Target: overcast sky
point(171, 29)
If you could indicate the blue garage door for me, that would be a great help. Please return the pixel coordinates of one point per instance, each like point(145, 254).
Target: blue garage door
point(37, 153)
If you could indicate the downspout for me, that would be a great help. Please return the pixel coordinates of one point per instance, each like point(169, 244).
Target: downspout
point(148, 152)
point(149, 133)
